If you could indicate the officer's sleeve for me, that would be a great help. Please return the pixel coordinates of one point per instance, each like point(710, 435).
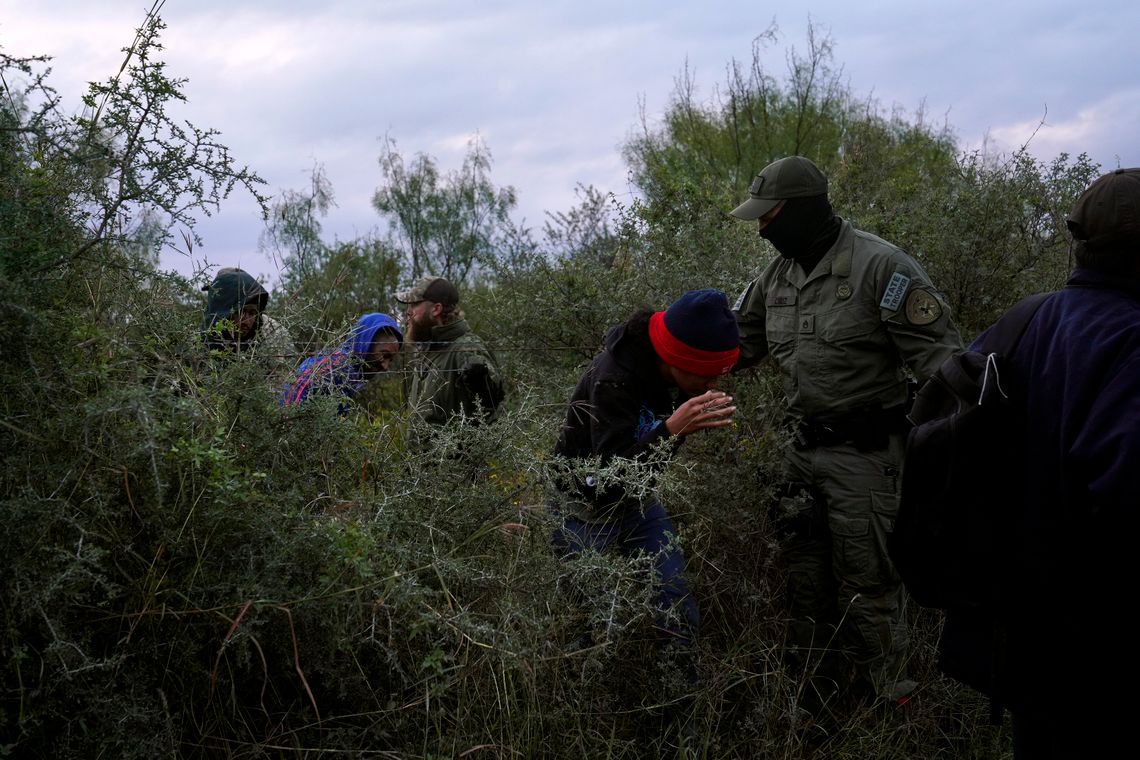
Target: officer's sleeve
point(750, 318)
point(916, 316)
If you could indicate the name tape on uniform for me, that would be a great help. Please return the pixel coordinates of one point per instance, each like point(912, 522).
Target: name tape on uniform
point(896, 289)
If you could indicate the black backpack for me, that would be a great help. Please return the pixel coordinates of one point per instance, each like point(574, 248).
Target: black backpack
point(962, 458)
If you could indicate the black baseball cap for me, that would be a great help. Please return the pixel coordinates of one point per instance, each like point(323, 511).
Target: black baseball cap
point(1108, 212)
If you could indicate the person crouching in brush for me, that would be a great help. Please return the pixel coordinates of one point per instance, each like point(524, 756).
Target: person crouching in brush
point(653, 385)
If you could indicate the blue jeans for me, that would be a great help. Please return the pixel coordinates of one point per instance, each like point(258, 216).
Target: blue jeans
point(647, 532)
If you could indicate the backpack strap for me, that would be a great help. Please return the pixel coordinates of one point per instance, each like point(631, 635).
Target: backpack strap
point(1001, 340)
point(1006, 333)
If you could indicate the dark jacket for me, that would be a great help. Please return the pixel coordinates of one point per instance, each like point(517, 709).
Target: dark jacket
point(341, 371)
point(617, 411)
point(1072, 569)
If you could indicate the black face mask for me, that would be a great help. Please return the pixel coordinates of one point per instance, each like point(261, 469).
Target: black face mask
point(804, 229)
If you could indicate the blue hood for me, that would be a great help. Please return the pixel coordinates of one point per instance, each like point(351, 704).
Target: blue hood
point(360, 340)
point(341, 371)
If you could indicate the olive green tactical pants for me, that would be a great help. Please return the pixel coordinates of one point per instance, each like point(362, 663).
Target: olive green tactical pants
point(844, 596)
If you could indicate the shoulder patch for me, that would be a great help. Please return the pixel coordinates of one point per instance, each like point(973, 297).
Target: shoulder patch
point(922, 307)
point(896, 289)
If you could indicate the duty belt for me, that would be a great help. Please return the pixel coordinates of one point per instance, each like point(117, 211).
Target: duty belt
point(867, 429)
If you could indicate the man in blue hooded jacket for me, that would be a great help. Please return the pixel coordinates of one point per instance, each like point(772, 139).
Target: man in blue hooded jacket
point(368, 351)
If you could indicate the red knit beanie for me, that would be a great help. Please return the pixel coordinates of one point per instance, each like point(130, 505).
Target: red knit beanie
point(697, 333)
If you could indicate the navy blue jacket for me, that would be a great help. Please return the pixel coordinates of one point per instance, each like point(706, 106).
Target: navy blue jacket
point(1078, 368)
point(1079, 363)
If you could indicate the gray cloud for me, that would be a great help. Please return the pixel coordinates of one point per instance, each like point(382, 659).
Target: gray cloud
point(554, 88)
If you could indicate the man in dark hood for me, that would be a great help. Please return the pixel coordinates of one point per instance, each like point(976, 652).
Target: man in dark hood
point(234, 305)
point(845, 316)
point(235, 320)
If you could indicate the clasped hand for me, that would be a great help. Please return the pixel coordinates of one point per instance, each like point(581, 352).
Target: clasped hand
point(709, 410)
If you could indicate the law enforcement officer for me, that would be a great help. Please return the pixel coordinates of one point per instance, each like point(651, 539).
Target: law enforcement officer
point(844, 314)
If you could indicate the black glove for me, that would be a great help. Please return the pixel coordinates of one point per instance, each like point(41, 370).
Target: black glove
point(473, 375)
point(477, 378)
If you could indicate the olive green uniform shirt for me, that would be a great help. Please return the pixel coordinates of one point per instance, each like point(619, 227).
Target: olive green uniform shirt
point(843, 334)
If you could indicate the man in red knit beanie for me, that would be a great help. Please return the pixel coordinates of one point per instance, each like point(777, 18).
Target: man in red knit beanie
point(652, 385)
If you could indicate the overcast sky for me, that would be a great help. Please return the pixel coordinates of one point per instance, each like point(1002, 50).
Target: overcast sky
point(554, 87)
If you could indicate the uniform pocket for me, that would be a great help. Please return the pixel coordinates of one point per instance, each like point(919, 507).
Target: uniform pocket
point(885, 509)
point(861, 543)
point(846, 325)
point(854, 356)
point(780, 327)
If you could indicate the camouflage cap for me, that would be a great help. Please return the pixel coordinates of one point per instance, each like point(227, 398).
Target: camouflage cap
point(434, 289)
point(1108, 212)
point(791, 177)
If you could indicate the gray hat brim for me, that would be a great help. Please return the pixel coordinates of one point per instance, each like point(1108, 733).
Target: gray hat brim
point(754, 208)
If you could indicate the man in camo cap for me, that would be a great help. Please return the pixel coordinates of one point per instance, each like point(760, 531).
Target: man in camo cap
point(453, 373)
point(843, 314)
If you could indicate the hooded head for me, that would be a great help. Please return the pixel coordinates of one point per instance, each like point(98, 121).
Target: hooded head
point(347, 369)
point(231, 290)
point(361, 342)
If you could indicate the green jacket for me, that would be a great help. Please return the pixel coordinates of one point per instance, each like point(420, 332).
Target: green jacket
point(843, 335)
point(453, 374)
